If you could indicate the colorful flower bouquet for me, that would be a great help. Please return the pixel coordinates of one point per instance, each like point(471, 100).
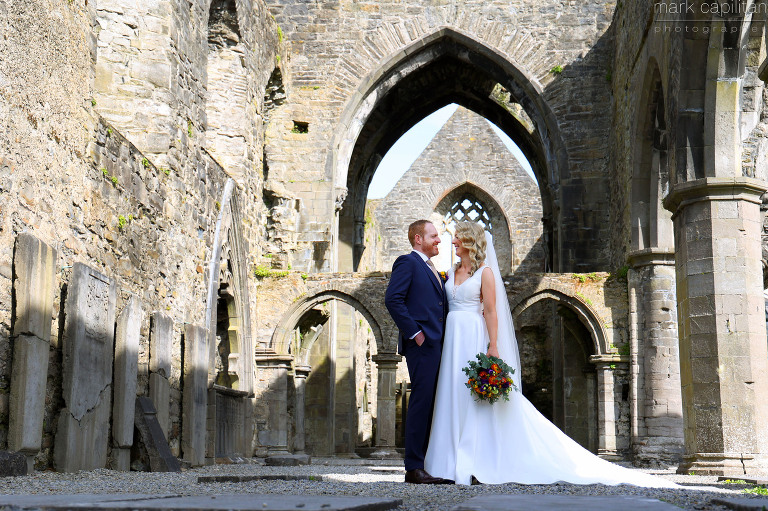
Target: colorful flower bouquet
point(489, 378)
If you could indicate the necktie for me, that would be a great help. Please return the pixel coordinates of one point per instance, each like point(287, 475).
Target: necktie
point(434, 270)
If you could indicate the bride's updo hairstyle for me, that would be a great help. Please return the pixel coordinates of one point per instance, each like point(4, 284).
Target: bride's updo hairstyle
point(472, 237)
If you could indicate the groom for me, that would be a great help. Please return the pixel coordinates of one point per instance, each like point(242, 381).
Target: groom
point(417, 302)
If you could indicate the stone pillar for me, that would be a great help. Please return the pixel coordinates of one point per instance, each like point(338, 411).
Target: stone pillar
point(34, 268)
point(606, 405)
point(658, 432)
point(723, 353)
point(160, 344)
point(87, 347)
point(386, 406)
point(126, 368)
point(194, 395)
point(272, 389)
point(300, 381)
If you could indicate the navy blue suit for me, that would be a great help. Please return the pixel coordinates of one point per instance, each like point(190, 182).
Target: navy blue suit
point(417, 301)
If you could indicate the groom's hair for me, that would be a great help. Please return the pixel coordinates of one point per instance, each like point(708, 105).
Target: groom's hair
point(415, 228)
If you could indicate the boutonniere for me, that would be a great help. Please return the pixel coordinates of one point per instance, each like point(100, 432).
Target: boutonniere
point(443, 275)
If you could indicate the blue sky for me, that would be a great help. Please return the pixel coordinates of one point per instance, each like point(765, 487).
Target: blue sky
point(405, 151)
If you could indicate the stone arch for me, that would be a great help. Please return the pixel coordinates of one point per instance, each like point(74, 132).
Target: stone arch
point(651, 223)
point(281, 337)
point(584, 312)
point(444, 67)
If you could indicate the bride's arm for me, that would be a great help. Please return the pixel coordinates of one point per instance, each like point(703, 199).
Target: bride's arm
point(488, 295)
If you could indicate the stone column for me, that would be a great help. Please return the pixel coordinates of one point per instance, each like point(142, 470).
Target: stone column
point(386, 406)
point(126, 369)
point(723, 353)
point(34, 265)
point(606, 405)
point(87, 347)
point(194, 395)
point(658, 432)
point(300, 381)
point(272, 391)
point(160, 344)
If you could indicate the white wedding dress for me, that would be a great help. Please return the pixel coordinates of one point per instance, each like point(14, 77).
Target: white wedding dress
point(509, 441)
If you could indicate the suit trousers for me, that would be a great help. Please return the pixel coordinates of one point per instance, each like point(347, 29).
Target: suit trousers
point(423, 365)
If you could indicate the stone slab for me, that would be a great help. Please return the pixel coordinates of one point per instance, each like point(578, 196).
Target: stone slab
point(12, 464)
point(34, 272)
point(194, 395)
point(564, 502)
point(742, 504)
point(161, 459)
point(126, 370)
point(288, 460)
point(266, 477)
point(160, 344)
point(82, 436)
point(210, 502)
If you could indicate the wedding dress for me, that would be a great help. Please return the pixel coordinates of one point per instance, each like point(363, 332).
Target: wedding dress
point(509, 441)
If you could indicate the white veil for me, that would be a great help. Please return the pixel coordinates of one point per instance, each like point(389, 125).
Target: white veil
point(506, 339)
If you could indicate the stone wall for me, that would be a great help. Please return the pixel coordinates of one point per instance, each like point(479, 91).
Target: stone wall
point(337, 52)
point(466, 158)
point(82, 184)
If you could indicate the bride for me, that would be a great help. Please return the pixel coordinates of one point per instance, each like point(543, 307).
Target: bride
point(509, 441)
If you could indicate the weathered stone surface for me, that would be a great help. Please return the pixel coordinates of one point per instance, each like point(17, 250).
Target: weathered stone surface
point(160, 394)
point(201, 503)
point(195, 395)
point(160, 344)
point(288, 460)
point(13, 464)
point(572, 502)
point(152, 438)
point(83, 430)
point(35, 271)
point(126, 365)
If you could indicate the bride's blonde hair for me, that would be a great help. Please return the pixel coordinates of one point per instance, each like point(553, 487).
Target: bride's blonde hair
point(472, 237)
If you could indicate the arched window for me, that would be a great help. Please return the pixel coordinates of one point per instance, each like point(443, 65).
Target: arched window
point(468, 208)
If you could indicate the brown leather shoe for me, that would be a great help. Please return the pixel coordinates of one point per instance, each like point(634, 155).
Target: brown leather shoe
point(420, 476)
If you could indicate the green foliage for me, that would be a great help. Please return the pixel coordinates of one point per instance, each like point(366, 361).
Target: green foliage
point(166, 171)
point(218, 205)
point(624, 350)
point(114, 180)
point(262, 271)
point(109, 132)
point(145, 163)
point(279, 34)
point(584, 298)
point(190, 127)
point(556, 70)
point(121, 222)
point(734, 481)
point(277, 59)
point(757, 490)
point(104, 172)
point(580, 277)
point(304, 276)
point(93, 100)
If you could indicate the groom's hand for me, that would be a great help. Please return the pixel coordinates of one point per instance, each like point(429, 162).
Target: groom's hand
point(419, 338)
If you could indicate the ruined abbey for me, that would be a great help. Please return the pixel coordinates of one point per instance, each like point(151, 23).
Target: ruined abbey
point(184, 216)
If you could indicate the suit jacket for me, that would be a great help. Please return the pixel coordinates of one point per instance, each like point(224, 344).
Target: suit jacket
point(415, 300)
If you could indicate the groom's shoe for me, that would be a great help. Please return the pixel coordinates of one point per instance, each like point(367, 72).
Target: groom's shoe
point(420, 476)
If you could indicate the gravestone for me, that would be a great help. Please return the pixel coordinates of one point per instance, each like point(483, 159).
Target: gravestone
point(34, 281)
point(126, 368)
point(195, 395)
point(152, 438)
point(82, 436)
point(160, 344)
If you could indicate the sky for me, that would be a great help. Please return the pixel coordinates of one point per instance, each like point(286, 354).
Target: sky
point(404, 152)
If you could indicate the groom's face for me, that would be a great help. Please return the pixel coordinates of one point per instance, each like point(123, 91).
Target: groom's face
point(430, 241)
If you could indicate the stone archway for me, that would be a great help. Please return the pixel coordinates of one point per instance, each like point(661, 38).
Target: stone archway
point(443, 67)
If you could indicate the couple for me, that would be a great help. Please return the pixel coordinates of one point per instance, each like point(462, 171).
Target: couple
point(443, 324)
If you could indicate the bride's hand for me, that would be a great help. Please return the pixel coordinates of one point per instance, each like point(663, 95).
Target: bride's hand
point(493, 351)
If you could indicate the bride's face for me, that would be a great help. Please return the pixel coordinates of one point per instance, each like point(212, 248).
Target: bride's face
point(460, 250)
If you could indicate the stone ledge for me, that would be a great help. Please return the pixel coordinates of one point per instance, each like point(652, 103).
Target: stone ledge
point(570, 502)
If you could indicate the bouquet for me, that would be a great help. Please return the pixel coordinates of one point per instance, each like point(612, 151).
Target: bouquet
point(489, 378)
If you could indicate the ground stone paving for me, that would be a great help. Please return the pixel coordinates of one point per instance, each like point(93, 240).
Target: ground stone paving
point(353, 478)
